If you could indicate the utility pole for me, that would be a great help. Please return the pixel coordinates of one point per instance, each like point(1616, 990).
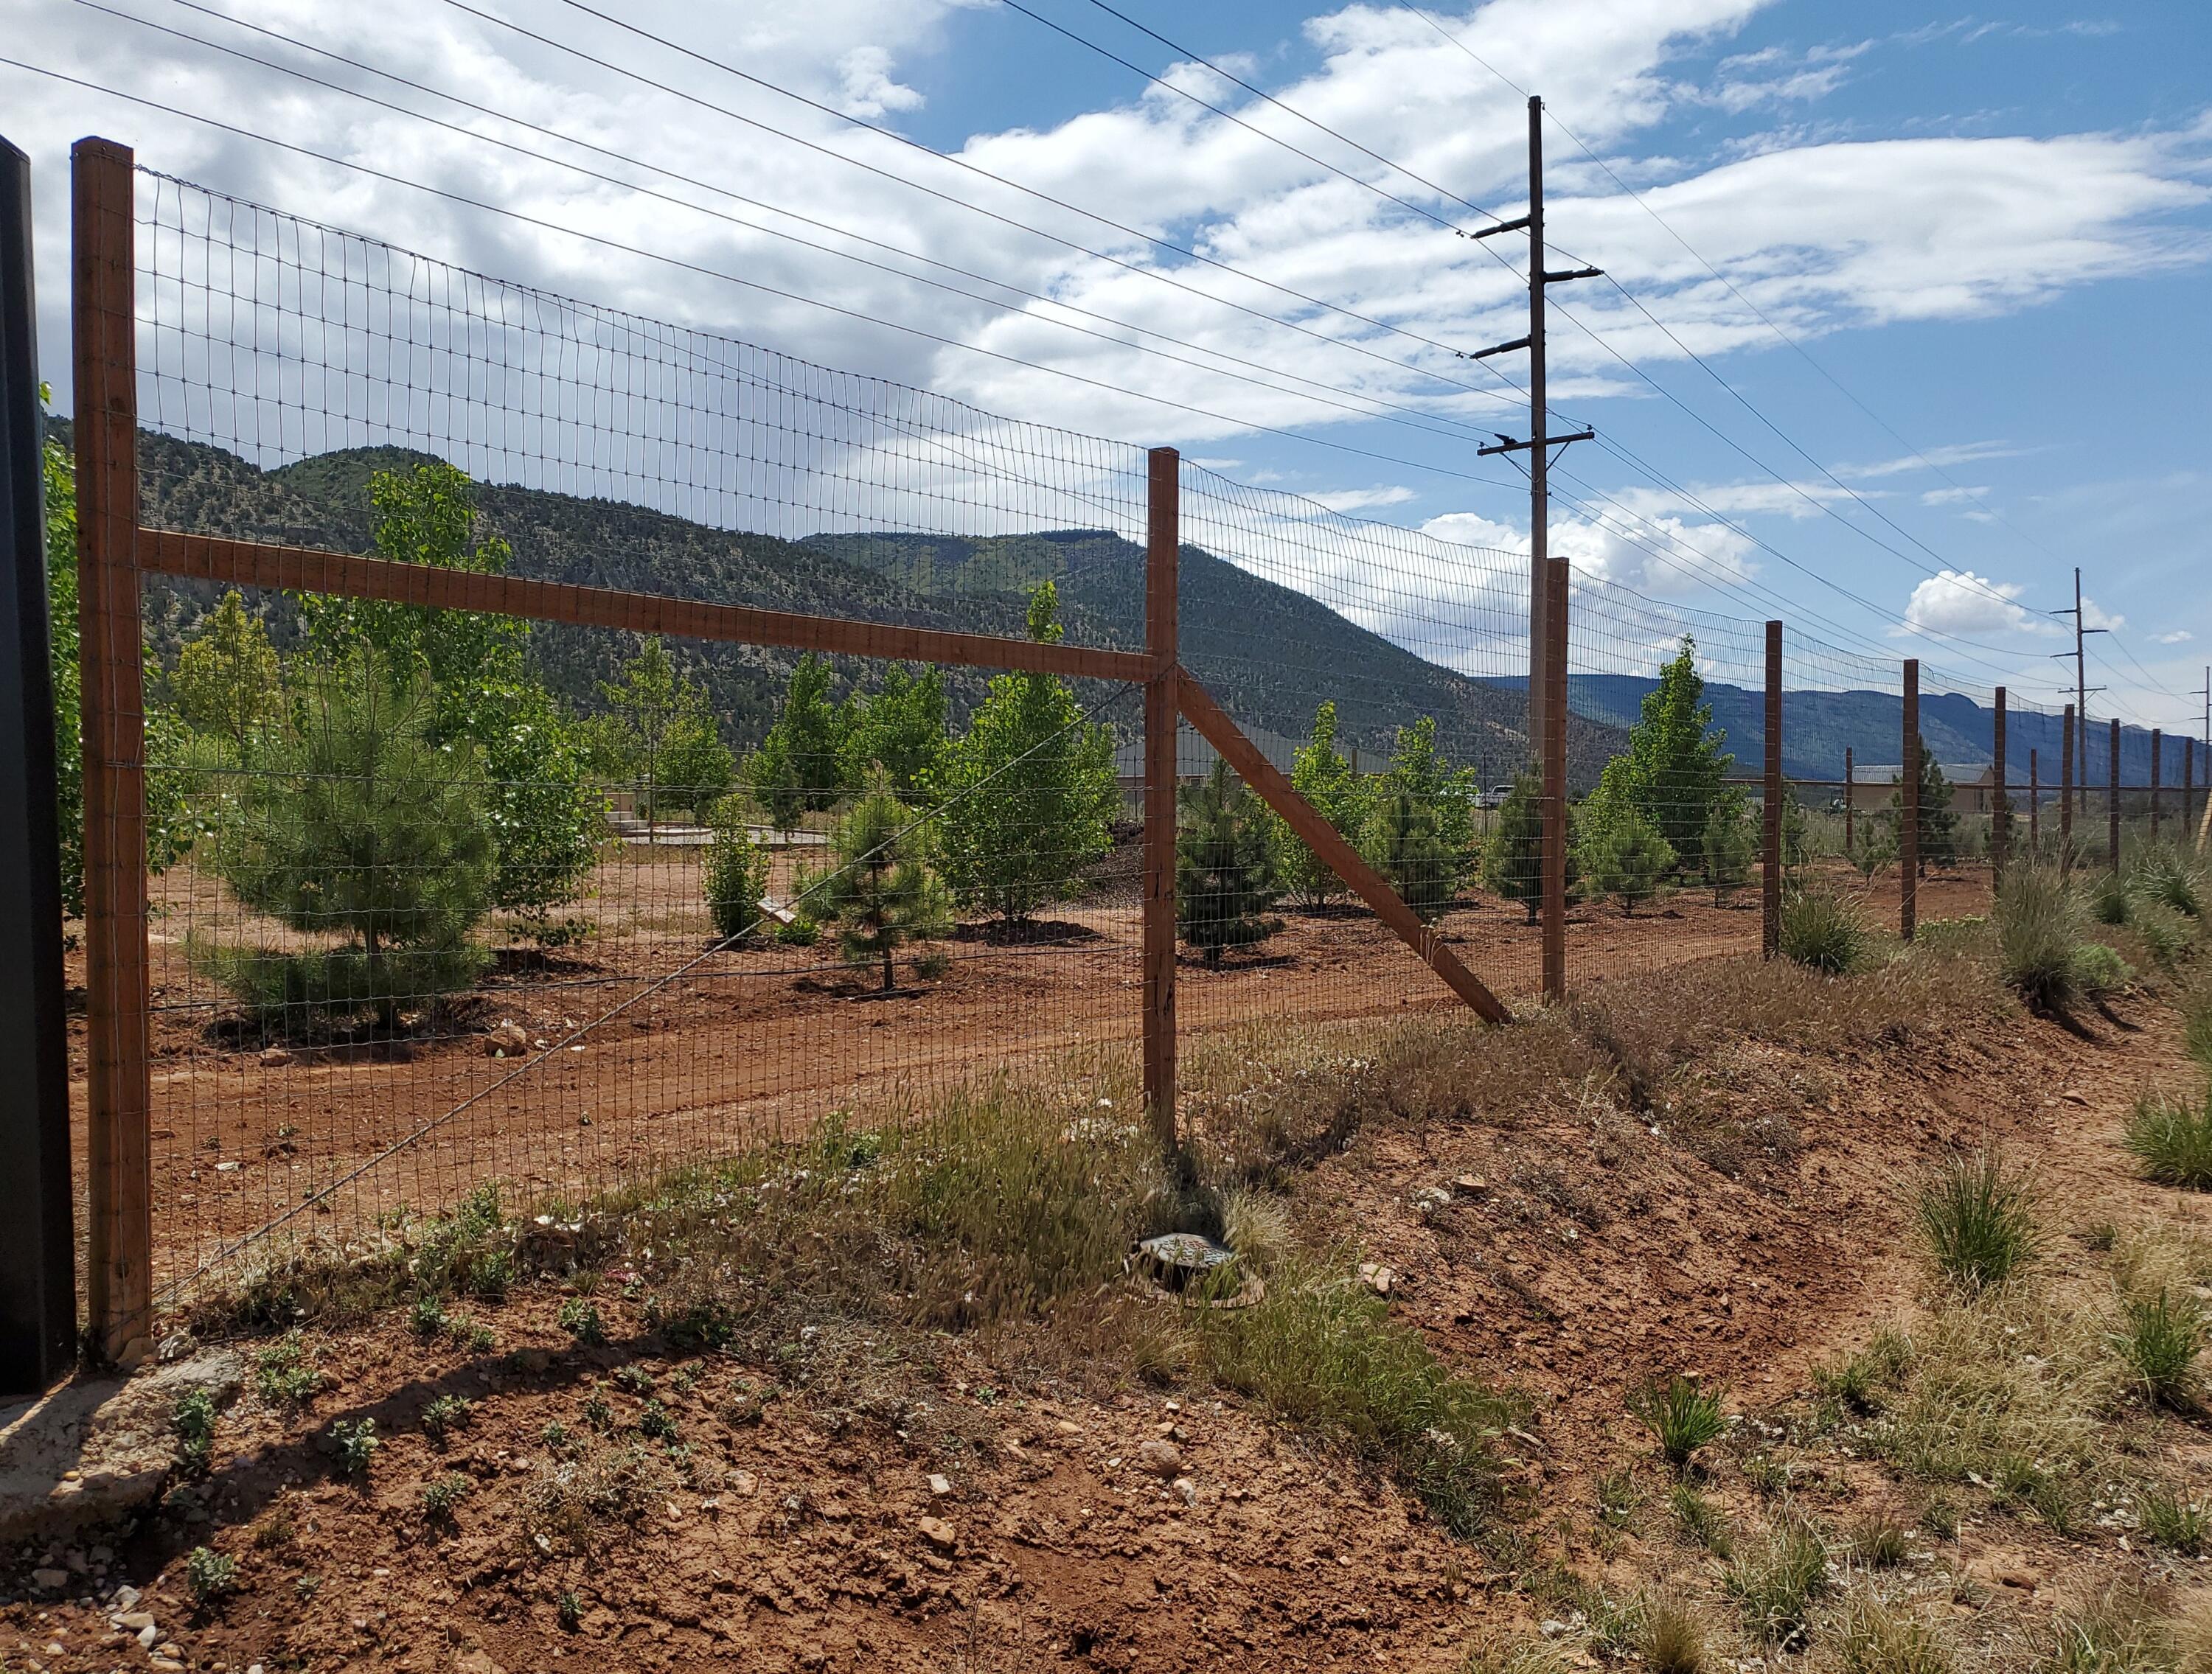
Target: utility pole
point(1547, 593)
point(2080, 689)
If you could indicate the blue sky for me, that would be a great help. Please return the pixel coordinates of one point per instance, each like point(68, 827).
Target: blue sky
point(1991, 228)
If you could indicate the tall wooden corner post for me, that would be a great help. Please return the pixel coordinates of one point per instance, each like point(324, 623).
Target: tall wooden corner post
point(2066, 794)
point(2000, 798)
point(1162, 537)
point(1908, 827)
point(2113, 800)
point(1770, 850)
point(119, 1163)
point(38, 1243)
point(2157, 776)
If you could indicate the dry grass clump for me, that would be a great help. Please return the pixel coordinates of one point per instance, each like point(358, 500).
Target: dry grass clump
point(2040, 923)
point(1872, 1637)
point(574, 1497)
point(1669, 1635)
point(1825, 931)
point(1513, 1653)
point(2159, 1338)
point(2008, 1388)
point(2171, 1137)
point(2116, 1631)
point(1776, 1584)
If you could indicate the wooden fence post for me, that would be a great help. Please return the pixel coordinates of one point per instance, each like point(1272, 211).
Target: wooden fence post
point(118, 1092)
point(2000, 808)
point(2188, 783)
point(2112, 803)
point(1162, 541)
point(1908, 827)
point(2034, 807)
point(2066, 794)
point(1554, 859)
point(1769, 881)
point(1850, 805)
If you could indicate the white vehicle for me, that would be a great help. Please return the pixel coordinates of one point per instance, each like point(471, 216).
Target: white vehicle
point(1494, 797)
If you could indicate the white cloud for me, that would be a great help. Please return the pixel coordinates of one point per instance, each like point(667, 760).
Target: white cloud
point(1360, 500)
point(1937, 459)
point(2179, 636)
point(868, 88)
point(1961, 602)
point(2093, 615)
point(1953, 496)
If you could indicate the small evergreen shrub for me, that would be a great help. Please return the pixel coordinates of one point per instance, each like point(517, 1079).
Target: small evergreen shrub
point(735, 875)
point(209, 1575)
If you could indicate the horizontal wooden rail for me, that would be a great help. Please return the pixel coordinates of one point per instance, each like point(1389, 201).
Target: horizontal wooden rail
point(1214, 725)
point(301, 569)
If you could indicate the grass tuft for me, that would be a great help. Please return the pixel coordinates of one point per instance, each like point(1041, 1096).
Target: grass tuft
point(2171, 1138)
point(2038, 925)
point(2178, 1522)
point(1774, 1586)
point(1670, 1637)
point(2114, 1633)
point(2159, 1339)
point(1681, 1416)
point(1701, 1519)
point(1825, 932)
point(1875, 1638)
point(1976, 1219)
point(1877, 1542)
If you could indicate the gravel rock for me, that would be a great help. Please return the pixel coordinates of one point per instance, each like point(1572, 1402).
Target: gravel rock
point(1161, 1457)
point(938, 1533)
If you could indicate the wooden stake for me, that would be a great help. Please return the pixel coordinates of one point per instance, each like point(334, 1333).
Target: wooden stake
point(1162, 541)
point(2000, 810)
point(1908, 828)
point(1770, 883)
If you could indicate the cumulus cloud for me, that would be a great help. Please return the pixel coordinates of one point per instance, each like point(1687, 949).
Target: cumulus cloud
point(868, 89)
point(2178, 636)
point(1360, 500)
point(1961, 602)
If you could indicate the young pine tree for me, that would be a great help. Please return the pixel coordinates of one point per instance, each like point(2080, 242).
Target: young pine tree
point(1320, 774)
point(1674, 766)
point(1513, 858)
point(1405, 844)
point(1939, 822)
point(1226, 878)
point(797, 767)
point(357, 822)
point(881, 891)
point(1727, 844)
point(735, 871)
point(1029, 790)
point(1624, 855)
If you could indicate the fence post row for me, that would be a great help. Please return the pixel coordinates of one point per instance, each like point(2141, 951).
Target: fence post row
point(1162, 539)
point(1770, 880)
point(2113, 802)
point(1908, 827)
point(37, 1245)
point(2034, 806)
point(118, 1091)
point(2000, 808)
point(2157, 760)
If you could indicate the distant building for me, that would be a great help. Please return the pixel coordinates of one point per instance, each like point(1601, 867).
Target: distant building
point(1195, 757)
point(1973, 786)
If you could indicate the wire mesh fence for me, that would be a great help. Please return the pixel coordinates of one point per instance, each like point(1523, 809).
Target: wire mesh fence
point(549, 900)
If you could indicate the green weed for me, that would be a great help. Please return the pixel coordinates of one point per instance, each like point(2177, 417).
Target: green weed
point(2171, 1135)
point(1976, 1219)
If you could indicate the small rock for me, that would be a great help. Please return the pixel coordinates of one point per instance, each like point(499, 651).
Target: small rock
point(744, 1483)
point(50, 1581)
point(1161, 1457)
point(137, 1620)
point(1376, 1277)
point(939, 1485)
point(1429, 1199)
point(228, 1167)
point(171, 1649)
point(126, 1598)
point(506, 1039)
point(275, 1057)
point(1065, 1428)
point(938, 1533)
point(1186, 1490)
point(1470, 1186)
point(532, 1361)
point(146, 1635)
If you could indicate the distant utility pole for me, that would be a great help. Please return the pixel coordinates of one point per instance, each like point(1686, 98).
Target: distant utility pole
point(2081, 684)
point(1547, 594)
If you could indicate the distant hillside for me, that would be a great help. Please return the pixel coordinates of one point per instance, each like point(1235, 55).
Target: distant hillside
point(1271, 655)
point(1817, 726)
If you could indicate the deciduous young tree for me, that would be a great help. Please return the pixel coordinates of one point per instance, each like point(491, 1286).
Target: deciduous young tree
point(1030, 791)
point(1320, 774)
point(881, 892)
point(735, 871)
point(228, 680)
point(799, 766)
point(660, 734)
point(1623, 856)
point(358, 821)
point(1226, 875)
point(1674, 766)
point(546, 818)
point(170, 825)
point(900, 729)
point(1417, 770)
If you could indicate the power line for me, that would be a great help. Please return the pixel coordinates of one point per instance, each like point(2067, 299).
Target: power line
point(704, 271)
point(1381, 407)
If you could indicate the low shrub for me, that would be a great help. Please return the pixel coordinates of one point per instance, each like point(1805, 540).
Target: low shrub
point(194, 1417)
point(1825, 932)
point(209, 1575)
point(2171, 1137)
point(445, 1415)
point(2165, 935)
point(1682, 1417)
point(1976, 1219)
point(282, 1375)
point(355, 1441)
point(442, 1493)
point(2100, 973)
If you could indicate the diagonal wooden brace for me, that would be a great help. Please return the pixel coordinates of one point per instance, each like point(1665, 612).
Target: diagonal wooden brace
point(1213, 724)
